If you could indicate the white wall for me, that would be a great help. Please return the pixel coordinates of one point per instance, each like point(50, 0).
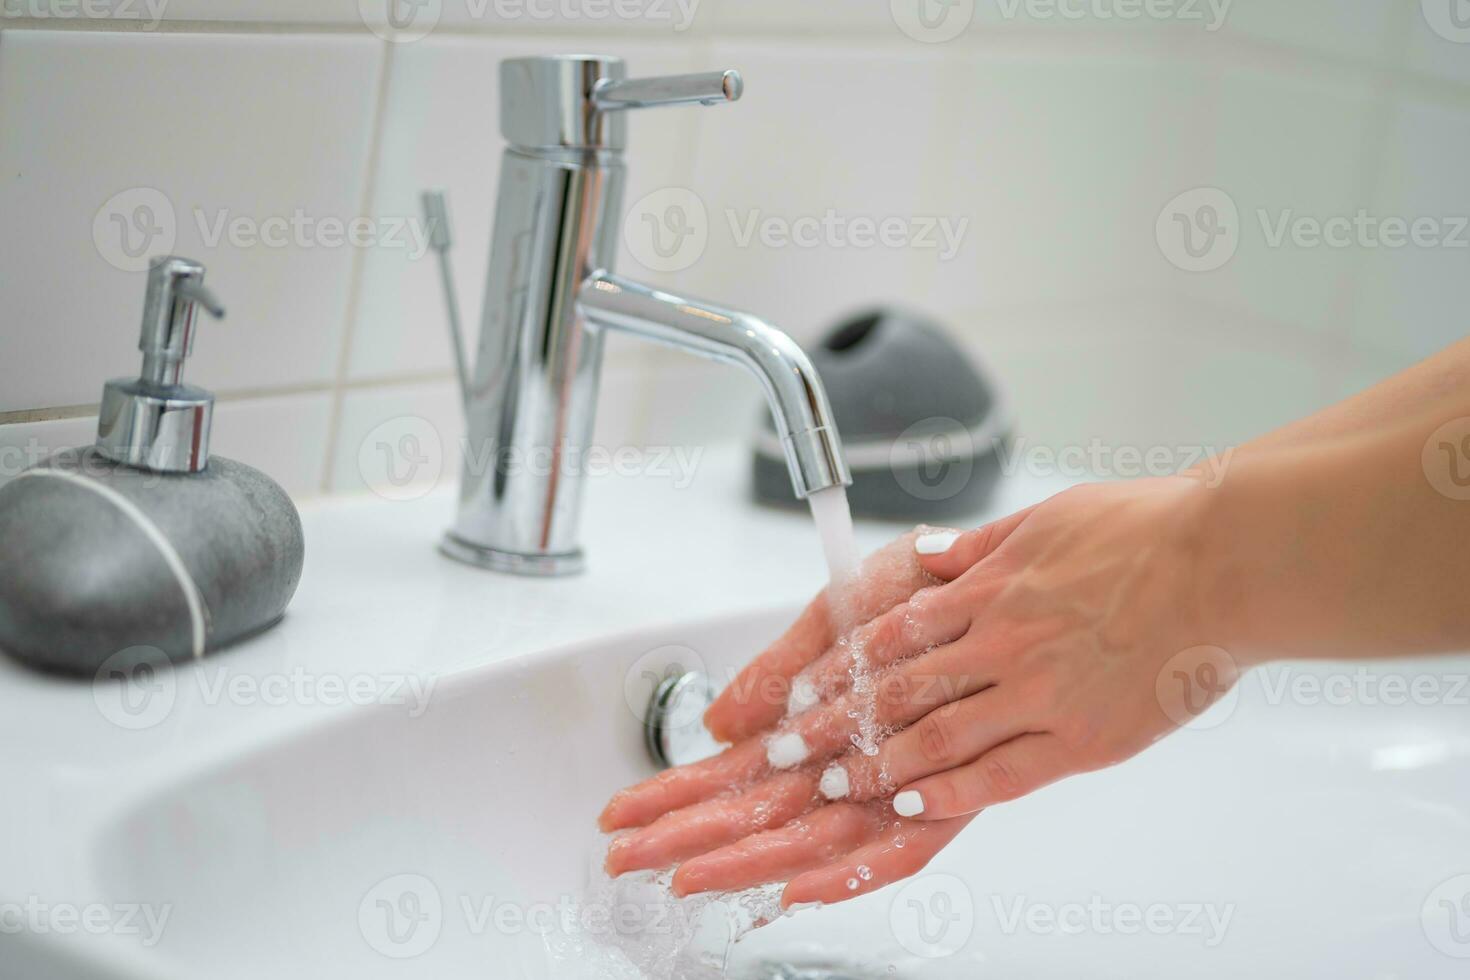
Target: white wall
point(1057, 140)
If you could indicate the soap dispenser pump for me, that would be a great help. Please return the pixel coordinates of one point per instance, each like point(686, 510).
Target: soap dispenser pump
point(155, 421)
point(144, 548)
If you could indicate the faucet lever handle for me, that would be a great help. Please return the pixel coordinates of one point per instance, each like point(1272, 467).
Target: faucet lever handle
point(705, 88)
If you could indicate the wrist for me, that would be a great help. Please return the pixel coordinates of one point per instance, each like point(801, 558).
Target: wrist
point(1223, 535)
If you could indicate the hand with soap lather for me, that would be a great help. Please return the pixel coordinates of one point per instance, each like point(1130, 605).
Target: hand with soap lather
point(1066, 638)
point(963, 672)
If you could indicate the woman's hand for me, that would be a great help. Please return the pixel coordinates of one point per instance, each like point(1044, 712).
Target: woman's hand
point(1038, 656)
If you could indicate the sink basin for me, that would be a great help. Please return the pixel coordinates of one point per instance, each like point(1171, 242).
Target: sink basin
point(1281, 836)
point(1286, 835)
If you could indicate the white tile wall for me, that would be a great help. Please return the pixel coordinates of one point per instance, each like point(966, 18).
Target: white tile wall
point(1440, 44)
point(121, 145)
point(1415, 299)
point(822, 130)
point(1055, 140)
point(441, 129)
point(1286, 145)
point(1047, 164)
point(1364, 30)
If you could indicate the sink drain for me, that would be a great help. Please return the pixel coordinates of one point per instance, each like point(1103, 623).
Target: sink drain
point(674, 725)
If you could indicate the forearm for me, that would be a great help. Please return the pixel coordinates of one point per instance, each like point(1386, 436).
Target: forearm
point(1340, 547)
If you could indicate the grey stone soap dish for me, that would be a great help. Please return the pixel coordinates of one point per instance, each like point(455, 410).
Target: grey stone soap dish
point(923, 424)
point(144, 548)
point(102, 558)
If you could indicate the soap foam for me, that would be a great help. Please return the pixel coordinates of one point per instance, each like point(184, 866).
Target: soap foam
point(786, 751)
point(835, 784)
point(803, 696)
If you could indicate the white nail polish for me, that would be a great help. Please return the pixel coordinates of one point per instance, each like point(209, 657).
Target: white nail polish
point(803, 696)
point(835, 784)
point(786, 751)
point(935, 544)
point(908, 804)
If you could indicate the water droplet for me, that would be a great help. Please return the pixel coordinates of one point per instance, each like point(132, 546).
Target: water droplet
point(865, 872)
point(852, 884)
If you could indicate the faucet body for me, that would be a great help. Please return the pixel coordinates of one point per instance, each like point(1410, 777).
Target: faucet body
point(550, 295)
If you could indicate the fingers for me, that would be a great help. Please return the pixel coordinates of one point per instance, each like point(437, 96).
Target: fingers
point(713, 824)
point(756, 699)
point(902, 849)
point(948, 737)
point(1007, 772)
point(879, 704)
point(674, 789)
point(949, 554)
point(808, 842)
point(930, 617)
point(889, 699)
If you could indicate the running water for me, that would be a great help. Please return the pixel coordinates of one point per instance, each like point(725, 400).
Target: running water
point(700, 930)
point(834, 526)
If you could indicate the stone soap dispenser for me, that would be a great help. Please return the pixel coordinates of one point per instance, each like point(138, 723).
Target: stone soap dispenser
point(143, 547)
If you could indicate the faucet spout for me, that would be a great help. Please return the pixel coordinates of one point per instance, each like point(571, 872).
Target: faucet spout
point(794, 391)
point(550, 299)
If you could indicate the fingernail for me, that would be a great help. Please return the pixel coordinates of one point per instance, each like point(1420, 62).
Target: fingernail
point(835, 784)
point(802, 907)
point(803, 696)
point(785, 751)
point(908, 803)
point(935, 544)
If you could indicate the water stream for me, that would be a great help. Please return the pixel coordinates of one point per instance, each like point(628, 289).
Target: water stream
point(700, 930)
point(834, 527)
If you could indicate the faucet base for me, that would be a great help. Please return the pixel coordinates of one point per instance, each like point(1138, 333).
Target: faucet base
point(516, 563)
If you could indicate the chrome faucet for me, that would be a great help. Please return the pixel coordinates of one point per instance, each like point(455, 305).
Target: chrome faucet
point(549, 297)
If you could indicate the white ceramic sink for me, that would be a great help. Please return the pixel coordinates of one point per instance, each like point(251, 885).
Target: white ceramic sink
point(1291, 840)
point(1299, 837)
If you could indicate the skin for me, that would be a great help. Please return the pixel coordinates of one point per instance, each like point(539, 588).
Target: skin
point(1036, 647)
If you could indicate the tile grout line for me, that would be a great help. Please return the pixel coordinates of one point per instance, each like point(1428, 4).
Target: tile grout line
point(238, 396)
point(367, 205)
